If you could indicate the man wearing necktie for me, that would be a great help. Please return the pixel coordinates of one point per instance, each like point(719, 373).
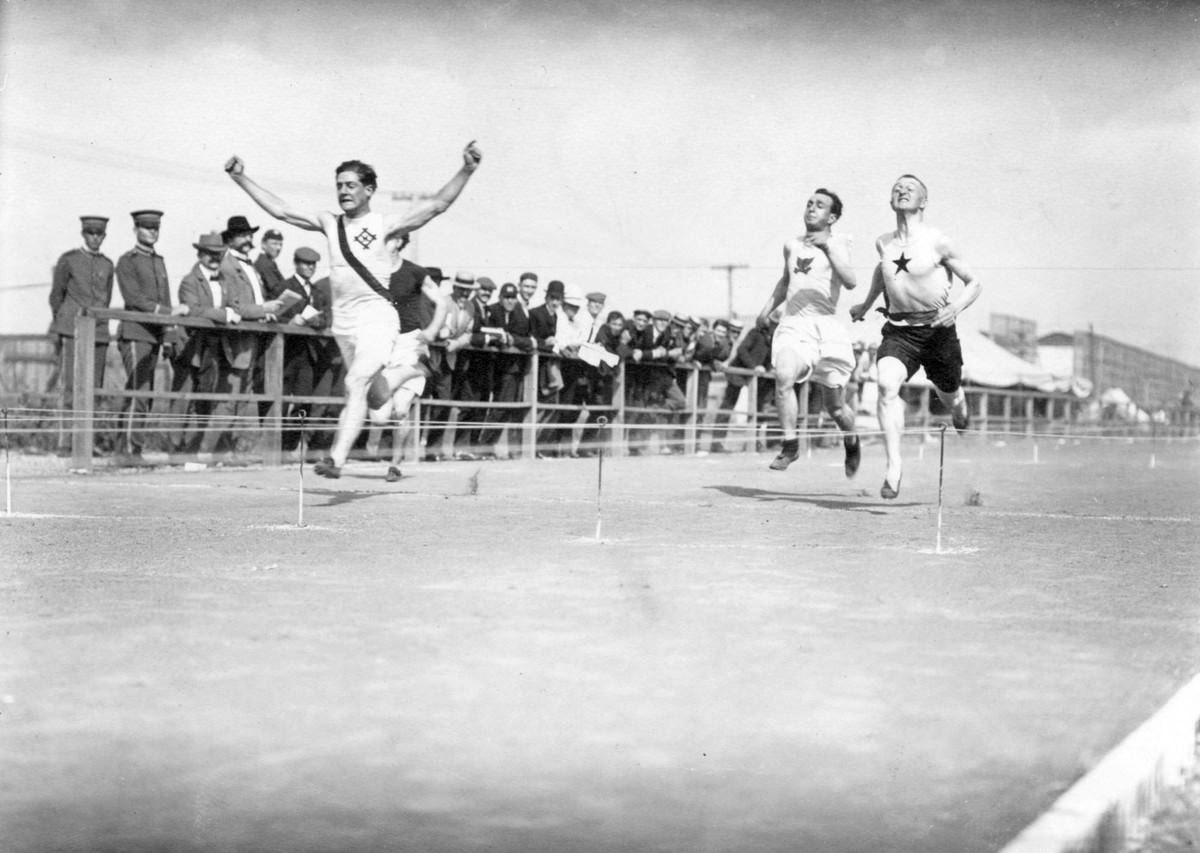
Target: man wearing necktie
point(198, 362)
point(244, 293)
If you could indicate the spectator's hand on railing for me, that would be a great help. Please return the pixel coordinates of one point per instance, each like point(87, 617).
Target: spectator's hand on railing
point(232, 317)
point(180, 311)
point(759, 370)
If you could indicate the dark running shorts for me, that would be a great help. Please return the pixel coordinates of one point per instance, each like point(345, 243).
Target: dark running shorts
point(935, 349)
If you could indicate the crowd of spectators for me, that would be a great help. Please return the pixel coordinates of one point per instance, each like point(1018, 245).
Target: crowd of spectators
point(476, 371)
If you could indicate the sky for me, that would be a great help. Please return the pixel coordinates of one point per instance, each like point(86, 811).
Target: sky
point(633, 148)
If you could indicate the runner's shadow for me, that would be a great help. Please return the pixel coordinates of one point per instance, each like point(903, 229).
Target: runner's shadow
point(338, 497)
point(823, 501)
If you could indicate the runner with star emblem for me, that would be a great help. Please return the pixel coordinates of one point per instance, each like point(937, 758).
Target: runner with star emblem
point(915, 274)
point(810, 342)
point(364, 249)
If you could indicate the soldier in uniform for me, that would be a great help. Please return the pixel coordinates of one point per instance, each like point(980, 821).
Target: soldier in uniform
point(142, 279)
point(83, 278)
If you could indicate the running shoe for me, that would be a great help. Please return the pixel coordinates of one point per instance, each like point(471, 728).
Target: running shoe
point(961, 417)
point(890, 492)
point(326, 468)
point(788, 453)
point(393, 474)
point(853, 454)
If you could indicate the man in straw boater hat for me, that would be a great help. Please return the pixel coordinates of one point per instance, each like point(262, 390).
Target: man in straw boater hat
point(198, 359)
point(448, 366)
point(810, 342)
point(917, 267)
point(363, 252)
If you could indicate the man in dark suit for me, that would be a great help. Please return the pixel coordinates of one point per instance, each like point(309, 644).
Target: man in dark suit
point(543, 328)
point(196, 357)
point(306, 358)
point(267, 264)
point(142, 279)
point(752, 353)
point(477, 377)
point(511, 338)
point(614, 338)
point(243, 291)
point(450, 363)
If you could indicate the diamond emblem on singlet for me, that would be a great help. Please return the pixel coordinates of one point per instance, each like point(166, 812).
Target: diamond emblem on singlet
point(803, 265)
point(365, 238)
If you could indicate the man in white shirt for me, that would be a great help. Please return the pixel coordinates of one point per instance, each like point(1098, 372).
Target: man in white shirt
point(363, 252)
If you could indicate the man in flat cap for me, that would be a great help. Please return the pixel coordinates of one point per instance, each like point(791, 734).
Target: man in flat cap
point(544, 323)
point(661, 390)
point(363, 252)
point(306, 358)
point(142, 280)
point(83, 278)
point(750, 353)
point(510, 364)
point(267, 263)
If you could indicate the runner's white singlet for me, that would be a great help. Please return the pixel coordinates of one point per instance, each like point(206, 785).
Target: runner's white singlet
point(913, 275)
point(813, 290)
point(355, 303)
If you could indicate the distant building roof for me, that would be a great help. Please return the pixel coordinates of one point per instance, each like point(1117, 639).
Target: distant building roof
point(1057, 339)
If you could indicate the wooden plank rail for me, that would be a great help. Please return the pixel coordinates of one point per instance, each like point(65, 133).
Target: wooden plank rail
point(1012, 408)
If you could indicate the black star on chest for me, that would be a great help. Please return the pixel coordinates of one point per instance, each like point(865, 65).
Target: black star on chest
point(803, 265)
point(365, 238)
point(901, 263)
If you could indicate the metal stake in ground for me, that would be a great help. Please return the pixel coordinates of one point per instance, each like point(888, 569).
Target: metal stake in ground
point(7, 473)
point(601, 422)
point(941, 469)
point(300, 506)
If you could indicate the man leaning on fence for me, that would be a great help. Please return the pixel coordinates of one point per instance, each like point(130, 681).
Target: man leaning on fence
point(195, 360)
point(142, 279)
point(83, 278)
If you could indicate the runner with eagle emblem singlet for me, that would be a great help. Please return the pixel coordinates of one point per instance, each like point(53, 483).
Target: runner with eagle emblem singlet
point(916, 272)
point(364, 249)
point(810, 342)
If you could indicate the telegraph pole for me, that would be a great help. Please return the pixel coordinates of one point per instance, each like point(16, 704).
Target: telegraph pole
point(729, 268)
point(411, 196)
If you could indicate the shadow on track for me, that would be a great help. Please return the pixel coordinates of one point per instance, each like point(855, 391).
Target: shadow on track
point(834, 502)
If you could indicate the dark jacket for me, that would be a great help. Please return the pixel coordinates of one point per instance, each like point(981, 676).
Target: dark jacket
point(81, 280)
point(543, 325)
point(142, 278)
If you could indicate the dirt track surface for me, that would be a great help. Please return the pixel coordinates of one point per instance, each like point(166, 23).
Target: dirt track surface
point(746, 660)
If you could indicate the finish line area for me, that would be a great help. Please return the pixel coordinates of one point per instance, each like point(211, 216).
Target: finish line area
point(654, 653)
